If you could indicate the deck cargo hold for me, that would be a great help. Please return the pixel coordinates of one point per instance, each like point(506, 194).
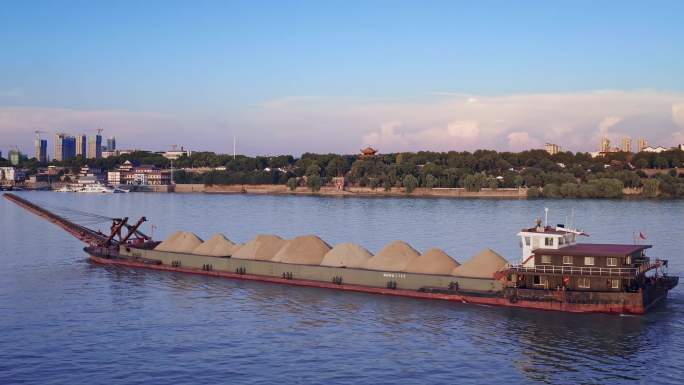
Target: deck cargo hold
point(303, 250)
point(393, 257)
point(180, 242)
point(216, 246)
point(263, 248)
point(348, 255)
point(433, 261)
point(484, 264)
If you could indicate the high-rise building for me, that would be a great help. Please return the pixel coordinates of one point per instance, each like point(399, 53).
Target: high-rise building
point(552, 149)
point(65, 147)
point(14, 157)
point(641, 144)
point(81, 142)
point(95, 146)
point(605, 144)
point(627, 144)
point(111, 143)
point(41, 150)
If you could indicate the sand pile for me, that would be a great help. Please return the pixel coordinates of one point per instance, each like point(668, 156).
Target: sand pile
point(483, 265)
point(347, 255)
point(303, 250)
point(433, 261)
point(180, 242)
point(262, 247)
point(393, 257)
point(216, 246)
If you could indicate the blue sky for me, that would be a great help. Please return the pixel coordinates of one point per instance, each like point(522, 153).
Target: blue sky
point(338, 72)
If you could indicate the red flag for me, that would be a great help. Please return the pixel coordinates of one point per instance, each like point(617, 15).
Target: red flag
point(641, 235)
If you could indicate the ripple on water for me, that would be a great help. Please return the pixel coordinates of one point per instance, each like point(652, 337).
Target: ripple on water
point(64, 320)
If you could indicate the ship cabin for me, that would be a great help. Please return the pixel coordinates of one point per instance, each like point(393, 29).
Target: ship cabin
point(553, 260)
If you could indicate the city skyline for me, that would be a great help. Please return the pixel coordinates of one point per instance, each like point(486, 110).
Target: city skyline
point(307, 77)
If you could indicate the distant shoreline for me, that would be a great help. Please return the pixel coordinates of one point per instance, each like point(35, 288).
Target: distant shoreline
point(351, 191)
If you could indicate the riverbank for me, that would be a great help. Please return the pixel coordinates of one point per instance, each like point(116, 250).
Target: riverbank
point(270, 189)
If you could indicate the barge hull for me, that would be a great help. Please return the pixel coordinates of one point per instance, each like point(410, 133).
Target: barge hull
point(489, 299)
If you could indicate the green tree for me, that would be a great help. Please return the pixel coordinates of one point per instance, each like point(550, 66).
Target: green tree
point(473, 183)
point(569, 190)
point(314, 183)
point(518, 181)
point(410, 183)
point(651, 187)
point(430, 181)
point(551, 190)
point(493, 183)
point(374, 183)
point(292, 183)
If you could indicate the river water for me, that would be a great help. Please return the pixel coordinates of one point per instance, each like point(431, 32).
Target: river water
point(65, 321)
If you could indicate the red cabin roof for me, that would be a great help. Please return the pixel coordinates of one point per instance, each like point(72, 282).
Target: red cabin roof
point(594, 249)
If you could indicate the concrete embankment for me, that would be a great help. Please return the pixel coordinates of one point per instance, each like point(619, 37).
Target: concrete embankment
point(352, 191)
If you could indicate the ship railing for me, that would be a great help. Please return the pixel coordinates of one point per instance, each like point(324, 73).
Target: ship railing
point(578, 270)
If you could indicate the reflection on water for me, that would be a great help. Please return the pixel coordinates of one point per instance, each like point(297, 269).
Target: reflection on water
point(64, 320)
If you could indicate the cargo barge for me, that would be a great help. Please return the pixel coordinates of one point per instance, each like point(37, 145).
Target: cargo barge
point(555, 271)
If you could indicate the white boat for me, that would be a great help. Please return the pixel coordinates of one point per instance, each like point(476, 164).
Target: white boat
point(98, 188)
point(66, 188)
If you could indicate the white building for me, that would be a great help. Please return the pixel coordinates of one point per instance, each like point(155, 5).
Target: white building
point(657, 150)
point(107, 153)
point(114, 178)
point(175, 154)
point(11, 174)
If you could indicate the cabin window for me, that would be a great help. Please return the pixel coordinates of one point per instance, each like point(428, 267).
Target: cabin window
point(567, 260)
point(614, 283)
point(589, 261)
point(561, 240)
point(527, 241)
point(541, 281)
point(611, 261)
point(545, 259)
point(628, 260)
point(583, 282)
point(548, 241)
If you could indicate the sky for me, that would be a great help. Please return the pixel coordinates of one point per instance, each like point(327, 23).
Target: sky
point(287, 77)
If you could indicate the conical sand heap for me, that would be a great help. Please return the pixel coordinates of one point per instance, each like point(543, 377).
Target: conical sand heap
point(263, 247)
point(216, 246)
point(393, 257)
point(397, 256)
point(348, 255)
point(483, 265)
point(433, 261)
point(180, 242)
point(303, 250)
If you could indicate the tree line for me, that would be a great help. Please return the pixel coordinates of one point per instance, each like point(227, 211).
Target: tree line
point(565, 174)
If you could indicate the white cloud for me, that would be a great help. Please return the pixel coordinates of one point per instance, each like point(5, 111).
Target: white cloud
point(522, 141)
point(387, 137)
point(449, 121)
point(467, 129)
point(608, 123)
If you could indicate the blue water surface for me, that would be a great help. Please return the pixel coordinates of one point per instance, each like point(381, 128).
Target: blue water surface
point(66, 321)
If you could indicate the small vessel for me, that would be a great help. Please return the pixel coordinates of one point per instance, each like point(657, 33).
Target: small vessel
point(65, 188)
point(555, 271)
point(99, 188)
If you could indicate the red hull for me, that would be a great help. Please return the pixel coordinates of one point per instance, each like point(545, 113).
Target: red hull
point(493, 301)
